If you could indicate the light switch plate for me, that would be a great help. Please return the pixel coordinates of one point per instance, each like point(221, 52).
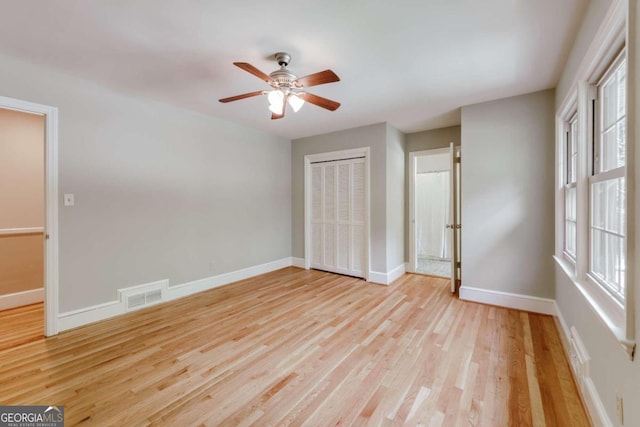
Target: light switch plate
point(69, 199)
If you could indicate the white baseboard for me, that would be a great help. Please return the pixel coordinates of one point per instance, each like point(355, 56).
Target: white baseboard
point(84, 316)
point(509, 300)
point(396, 273)
point(19, 299)
point(407, 268)
point(377, 277)
point(387, 278)
point(297, 262)
point(586, 387)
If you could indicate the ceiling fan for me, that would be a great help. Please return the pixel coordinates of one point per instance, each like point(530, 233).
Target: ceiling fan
point(287, 87)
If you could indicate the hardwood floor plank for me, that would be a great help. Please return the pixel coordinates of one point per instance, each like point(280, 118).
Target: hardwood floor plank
point(297, 347)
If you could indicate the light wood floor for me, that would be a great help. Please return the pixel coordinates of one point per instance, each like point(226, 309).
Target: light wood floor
point(21, 325)
point(297, 347)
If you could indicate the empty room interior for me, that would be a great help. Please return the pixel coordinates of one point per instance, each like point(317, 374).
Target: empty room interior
point(320, 213)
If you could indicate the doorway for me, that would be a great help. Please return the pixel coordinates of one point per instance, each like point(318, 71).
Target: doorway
point(435, 212)
point(29, 232)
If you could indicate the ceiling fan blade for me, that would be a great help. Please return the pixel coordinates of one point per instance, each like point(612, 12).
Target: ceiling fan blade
point(320, 101)
point(243, 96)
point(253, 70)
point(275, 116)
point(326, 76)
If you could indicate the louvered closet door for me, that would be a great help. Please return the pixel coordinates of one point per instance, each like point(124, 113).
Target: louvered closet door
point(338, 216)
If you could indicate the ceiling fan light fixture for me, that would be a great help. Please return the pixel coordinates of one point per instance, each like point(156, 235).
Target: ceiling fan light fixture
point(276, 108)
point(296, 102)
point(276, 97)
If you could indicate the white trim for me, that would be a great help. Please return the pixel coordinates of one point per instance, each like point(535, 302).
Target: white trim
point(83, 316)
point(509, 300)
point(379, 278)
point(603, 306)
point(24, 230)
point(51, 205)
point(388, 277)
point(396, 273)
point(334, 156)
point(18, 299)
point(298, 262)
point(586, 387)
point(412, 202)
point(196, 286)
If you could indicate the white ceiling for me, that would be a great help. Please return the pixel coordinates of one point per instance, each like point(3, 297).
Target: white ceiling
point(411, 63)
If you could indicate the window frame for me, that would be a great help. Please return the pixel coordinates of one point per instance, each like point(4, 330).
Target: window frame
point(596, 176)
point(570, 171)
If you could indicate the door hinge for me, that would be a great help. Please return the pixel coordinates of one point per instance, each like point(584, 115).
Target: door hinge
point(458, 160)
point(459, 264)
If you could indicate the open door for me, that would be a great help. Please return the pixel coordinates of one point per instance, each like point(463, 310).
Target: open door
point(454, 220)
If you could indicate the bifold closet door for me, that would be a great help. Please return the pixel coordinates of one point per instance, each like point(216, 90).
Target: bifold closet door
point(338, 216)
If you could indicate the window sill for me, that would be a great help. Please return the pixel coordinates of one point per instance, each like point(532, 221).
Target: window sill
point(610, 313)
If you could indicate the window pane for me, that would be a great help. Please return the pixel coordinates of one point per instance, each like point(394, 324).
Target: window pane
point(570, 221)
point(612, 141)
point(609, 149)
point(607, 234)
point(608, 262)
point(621, 144)
point(609, 103)
point(622, 91)
point(573, 149)
point(608, 205)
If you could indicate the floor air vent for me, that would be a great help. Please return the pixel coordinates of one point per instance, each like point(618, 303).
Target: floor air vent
point(143, 299)
point(142, 296)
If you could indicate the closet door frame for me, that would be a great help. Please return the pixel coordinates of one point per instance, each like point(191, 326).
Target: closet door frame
point(335, 156)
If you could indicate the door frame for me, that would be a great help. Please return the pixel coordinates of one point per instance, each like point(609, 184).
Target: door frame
point(413, 259)
point(334, 156)
point(51, 266)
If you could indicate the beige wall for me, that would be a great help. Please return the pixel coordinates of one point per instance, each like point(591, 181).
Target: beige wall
point(22, 200)
point(21, 169)
point(21, 263)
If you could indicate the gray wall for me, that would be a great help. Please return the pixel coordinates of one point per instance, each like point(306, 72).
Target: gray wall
point(592, 19)
point(610, 369)
point(396, 147)
point(507, 196)
point(160, 192)
point(419, 141)
point(432, 139)
point(373, 136)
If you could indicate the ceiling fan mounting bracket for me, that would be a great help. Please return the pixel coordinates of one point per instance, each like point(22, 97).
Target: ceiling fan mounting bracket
point(283, 58)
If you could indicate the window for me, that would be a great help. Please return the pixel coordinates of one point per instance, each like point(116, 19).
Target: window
point(607, 189)
point(594, 208)
point(570, 196)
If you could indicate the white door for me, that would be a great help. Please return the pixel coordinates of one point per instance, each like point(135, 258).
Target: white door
point(338, 236)
point(454, 220)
